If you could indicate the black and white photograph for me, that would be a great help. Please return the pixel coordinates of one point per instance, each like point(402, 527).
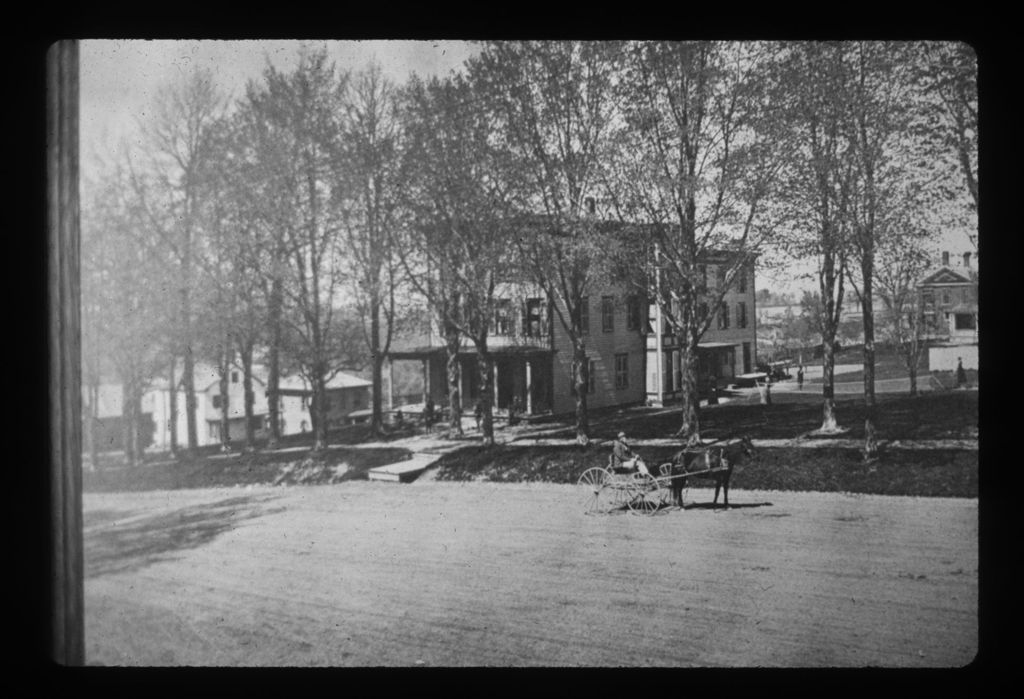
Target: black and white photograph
point(515, 353)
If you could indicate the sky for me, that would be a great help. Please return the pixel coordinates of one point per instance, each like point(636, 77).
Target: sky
point(120, 78)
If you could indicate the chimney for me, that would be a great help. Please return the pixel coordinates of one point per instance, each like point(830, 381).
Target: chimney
point(967, 260)
point(945, 259)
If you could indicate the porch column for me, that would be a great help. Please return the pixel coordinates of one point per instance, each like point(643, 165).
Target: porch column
point(391, 385)
point(494, 369)
point(529, 388)
point(426, 379)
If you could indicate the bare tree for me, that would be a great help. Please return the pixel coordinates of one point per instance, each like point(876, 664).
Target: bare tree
point(697, 161)
point(121, 284)
point(176, 146)
point(553, 108)
point(819, 178)
point(370, 160)
point(456, 249)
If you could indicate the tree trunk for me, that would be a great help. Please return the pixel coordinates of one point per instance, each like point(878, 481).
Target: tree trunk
point(913, 380)
point(250, 430)
point(486, 368)
point(454, 371)
point(689, 427)
point(172, 410)
point(91, 416)
point(581, 381)
point(189, 374)
point(318, 412)
point(828, 363)
point(274, 370)
point(377, 416)
point(225, 419)
point(130, 423)
point(870, 404)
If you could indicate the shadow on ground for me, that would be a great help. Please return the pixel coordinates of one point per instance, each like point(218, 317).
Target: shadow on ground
point(112, 548)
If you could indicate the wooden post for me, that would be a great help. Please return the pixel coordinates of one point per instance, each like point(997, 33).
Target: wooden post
point(529, 388)
point(66, 575)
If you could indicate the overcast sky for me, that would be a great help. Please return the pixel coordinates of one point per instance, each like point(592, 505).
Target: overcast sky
point(120, 78)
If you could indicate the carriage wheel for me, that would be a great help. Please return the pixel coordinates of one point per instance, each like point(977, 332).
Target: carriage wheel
point(596, 494)
point(644, 495)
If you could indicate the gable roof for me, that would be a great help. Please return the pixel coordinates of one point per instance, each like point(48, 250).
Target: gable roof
point(296, 382)
point(944, 275)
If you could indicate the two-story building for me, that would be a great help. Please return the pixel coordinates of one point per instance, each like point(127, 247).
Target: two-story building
point(728, 348)
point(948, 300)
point(532, 354)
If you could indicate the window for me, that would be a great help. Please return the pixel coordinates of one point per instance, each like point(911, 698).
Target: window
point(216, 402)
point(720, 276)
point(607, 314)
point(503, 317)
point(234, 377)
point(741, 315)
point(533, 321)
point(964, 321)
point(703, 276)
point(633, 306)
point(585, 315)
point(621, 371)
point(746, 357)
point(743, 280)
point(945, 259)
point(945, 297)
point(723, 316)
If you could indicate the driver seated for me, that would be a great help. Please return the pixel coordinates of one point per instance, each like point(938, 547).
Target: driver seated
point(624, 460)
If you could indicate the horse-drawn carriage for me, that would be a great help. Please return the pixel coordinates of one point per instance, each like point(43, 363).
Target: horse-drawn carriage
point(606, 489)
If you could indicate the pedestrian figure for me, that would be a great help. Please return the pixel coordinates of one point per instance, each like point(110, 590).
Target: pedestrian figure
point(478, 412)
point(428, 412)
point(513, 411)
point(399, 419)
point(961, 375)
point(800, 377)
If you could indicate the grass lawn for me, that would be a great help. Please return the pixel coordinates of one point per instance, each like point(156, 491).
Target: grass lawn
point(938, 415)
point(291, 468)
point(888, 365)
point(932, 473)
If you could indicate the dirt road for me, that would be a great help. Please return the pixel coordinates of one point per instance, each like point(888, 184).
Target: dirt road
point(367, 573)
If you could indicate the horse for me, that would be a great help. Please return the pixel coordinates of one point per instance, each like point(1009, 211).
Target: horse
point(721, 460)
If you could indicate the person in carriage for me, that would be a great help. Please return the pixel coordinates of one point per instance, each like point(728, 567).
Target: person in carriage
point(624, 459)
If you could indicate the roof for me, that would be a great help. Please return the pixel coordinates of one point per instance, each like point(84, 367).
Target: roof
point(716, 345)
point(426, 351)
point(296, 382)
point(944, 275)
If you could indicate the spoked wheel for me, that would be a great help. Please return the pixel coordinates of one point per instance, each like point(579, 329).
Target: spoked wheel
point(596, 497)
point(644, 495)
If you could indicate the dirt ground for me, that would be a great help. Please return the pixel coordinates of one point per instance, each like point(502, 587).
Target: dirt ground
point(485, 574)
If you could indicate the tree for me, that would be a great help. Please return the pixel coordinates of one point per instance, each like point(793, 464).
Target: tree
point(947, 72)
point(456, 247)
point(902, 264)
point(121, 297)
point(168, 191)
point(697, 161)
point(819, 178)
point(370, 160)
point(304, 106)
point(554, 112)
